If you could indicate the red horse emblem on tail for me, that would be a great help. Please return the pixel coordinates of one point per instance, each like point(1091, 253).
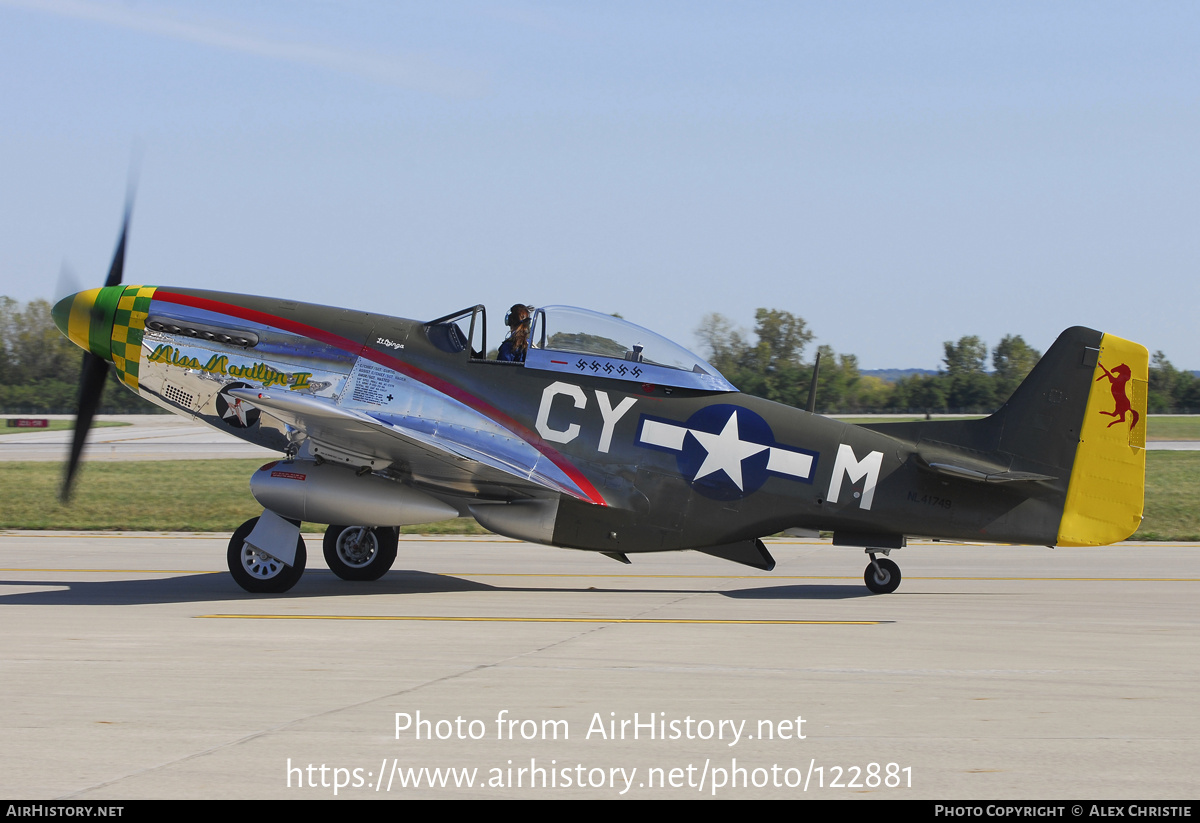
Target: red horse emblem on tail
point(1119, 377)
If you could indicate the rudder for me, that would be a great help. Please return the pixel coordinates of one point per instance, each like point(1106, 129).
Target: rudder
point(1107, 487)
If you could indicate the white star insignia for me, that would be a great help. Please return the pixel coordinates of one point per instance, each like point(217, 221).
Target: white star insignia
point(726, 451)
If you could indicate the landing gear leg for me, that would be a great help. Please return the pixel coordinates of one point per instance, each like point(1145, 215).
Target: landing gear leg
point(882, 576)
point(257, 571)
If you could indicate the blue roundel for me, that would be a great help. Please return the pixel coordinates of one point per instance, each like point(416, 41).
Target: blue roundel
point(725, 452)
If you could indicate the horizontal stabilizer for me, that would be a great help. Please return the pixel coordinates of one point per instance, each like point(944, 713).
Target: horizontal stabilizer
point(983, 476)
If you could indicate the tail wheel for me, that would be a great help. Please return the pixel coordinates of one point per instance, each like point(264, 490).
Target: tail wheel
point(884, 581)
point(359, 553)
point(258, 572)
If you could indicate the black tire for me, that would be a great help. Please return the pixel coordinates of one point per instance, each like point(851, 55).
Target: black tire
point(258, 572)
point(369, 559)
point(887, 581)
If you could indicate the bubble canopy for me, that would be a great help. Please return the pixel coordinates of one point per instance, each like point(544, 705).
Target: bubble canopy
point(571, 339)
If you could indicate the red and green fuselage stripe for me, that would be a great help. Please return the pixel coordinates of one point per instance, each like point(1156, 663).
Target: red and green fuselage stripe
point(447, 388)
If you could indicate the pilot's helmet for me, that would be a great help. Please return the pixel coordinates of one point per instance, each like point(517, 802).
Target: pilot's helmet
point(514, 319)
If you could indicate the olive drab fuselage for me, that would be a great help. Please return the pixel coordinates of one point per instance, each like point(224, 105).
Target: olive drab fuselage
point(593, 443)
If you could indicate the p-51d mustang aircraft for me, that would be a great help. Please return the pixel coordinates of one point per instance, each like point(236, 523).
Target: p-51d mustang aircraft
point(607, 438)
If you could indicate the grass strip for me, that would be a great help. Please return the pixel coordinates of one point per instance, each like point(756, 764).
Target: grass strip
point(54, 425)
point(214, 496)
point(188, 495)
point(1173, 427)
point(1172, 496)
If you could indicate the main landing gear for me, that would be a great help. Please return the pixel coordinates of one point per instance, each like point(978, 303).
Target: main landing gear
point(258, 572)
point(352, 552)
point(360, 553)
point(882, 576)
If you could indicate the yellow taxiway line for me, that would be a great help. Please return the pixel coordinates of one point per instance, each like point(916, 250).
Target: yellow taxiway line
point(434, 618)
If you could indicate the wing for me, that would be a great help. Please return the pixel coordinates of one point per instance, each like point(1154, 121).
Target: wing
point(464, 457)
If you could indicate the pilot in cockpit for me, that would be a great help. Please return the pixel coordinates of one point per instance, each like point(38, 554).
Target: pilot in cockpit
point(515, 346)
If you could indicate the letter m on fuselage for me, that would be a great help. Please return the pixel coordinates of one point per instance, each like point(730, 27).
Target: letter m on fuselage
point(849, 466)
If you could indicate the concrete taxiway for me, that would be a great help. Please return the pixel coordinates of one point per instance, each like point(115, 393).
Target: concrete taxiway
point(144, 437)
point(134, 667)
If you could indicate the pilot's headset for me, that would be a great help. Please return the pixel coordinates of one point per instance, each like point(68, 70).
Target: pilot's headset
point(510, 319)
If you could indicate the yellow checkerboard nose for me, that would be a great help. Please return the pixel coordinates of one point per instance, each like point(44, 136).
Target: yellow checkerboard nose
point(109, 323)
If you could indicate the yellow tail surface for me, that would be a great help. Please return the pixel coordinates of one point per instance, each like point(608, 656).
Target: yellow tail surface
point(1107, 489)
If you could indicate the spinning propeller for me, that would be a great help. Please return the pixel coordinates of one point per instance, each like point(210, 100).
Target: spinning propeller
point(87, 318)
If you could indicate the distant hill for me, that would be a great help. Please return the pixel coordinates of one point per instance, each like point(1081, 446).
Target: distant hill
point(892, 375)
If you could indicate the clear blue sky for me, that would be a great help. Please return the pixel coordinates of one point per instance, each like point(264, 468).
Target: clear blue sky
point(897, 174)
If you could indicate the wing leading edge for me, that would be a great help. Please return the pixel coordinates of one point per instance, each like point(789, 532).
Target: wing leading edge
point(441, 457)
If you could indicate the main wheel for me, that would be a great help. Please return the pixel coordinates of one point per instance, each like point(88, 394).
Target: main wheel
point(258, 572)
point(886, 581)
point(357, 553)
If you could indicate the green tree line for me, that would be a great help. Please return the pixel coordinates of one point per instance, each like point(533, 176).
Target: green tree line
point(39, 370)
point(772, 364)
